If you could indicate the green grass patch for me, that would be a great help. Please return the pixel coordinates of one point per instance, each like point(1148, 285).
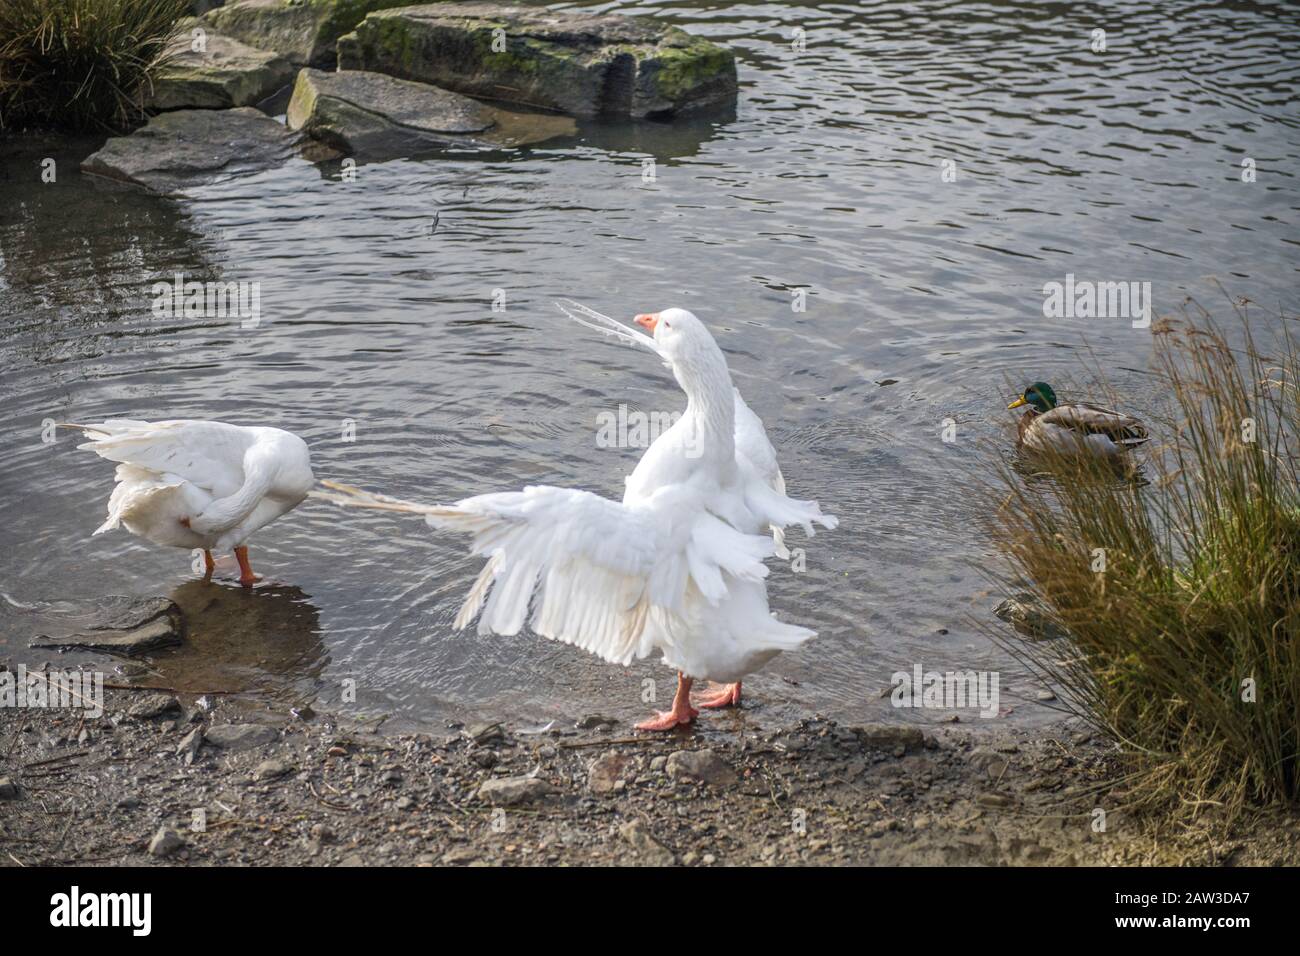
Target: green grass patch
point(81, 64)
point(1185, 646)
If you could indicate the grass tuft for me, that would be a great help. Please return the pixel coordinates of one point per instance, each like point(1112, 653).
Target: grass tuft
point(1186, 646)
point(81, 64)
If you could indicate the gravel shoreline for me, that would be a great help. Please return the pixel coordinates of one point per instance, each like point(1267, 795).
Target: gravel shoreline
point(160, 781)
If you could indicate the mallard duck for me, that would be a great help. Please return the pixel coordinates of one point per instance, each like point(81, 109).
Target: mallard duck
point(1074, 427)
point(200, 484)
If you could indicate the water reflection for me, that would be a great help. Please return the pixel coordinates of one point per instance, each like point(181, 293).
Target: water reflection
point(924, 302)
point(87, 248)
point(683, 138)
point(267, 638)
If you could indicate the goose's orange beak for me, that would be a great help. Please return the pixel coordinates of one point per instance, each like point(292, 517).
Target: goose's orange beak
point(648, 321)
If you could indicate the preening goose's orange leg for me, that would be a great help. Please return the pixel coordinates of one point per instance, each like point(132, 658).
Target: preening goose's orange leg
point(728, 696)
point(246, 576)
point(208, 565)
point(682, 712)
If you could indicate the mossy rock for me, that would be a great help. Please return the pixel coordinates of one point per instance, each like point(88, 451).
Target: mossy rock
point(375, 116)
point(224, 73)
point(304, 32)
point(573, 62)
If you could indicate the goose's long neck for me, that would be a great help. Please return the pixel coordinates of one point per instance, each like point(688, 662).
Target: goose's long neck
point(710, 403)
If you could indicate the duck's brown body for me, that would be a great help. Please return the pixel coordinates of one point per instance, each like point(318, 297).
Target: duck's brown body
point(1080, 426)
point(1022, 426)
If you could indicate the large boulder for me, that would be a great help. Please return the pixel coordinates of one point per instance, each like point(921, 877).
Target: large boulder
point(174, 151)
point(579, 63)
point(302, 31)
point(223, 74)
point(372, 115)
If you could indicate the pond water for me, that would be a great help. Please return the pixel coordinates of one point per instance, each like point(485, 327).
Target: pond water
point(923, 302)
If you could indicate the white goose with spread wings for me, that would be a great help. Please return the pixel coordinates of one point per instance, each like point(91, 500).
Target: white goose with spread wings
point(676, 567)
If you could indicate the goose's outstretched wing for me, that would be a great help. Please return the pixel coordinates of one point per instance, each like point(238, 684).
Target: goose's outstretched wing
point(591, 569)
point(765, 484)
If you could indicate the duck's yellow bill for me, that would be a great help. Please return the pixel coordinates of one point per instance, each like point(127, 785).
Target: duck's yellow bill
point(1018, 402)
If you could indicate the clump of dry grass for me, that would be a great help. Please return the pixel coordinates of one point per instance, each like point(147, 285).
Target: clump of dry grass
point(81, 64)
point(1186, 644)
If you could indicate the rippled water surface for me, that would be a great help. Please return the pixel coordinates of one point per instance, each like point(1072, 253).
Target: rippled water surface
point(924, 303)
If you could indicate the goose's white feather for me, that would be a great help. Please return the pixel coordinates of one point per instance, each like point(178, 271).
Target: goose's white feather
point(676, 567)
point(199, 484)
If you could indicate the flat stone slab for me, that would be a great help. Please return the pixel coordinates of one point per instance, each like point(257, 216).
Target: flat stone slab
point(373, 115)
point(511, 791)
point(225, 73)
point(649, 849)
point(185, 148)
point(304, 32)
point(702, 765)
point(579, 63)
point(890, 737)
point(123, 625)
point(237, 737)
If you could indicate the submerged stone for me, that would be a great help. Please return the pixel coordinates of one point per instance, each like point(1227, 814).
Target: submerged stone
point(185, 148)
point(579, 63)
point(1029, 618)
point(124, 625)
point(374, 115)
point(223, 74)
point(302, 31)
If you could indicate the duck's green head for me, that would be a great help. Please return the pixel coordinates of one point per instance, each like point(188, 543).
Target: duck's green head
point(1039, 395)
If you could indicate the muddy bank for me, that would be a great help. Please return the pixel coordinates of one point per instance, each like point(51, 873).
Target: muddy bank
point(164, 781)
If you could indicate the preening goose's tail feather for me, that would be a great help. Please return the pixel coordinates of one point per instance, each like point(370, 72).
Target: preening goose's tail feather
point(103, 430)
point(138, 494)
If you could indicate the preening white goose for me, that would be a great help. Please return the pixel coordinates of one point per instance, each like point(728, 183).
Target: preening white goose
point(675, 568)
point(200, 484)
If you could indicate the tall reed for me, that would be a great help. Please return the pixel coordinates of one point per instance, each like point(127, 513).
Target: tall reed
point(81, 64)
point(1181, 594)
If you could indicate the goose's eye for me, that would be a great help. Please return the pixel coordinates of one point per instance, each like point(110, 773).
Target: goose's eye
point(668, 325)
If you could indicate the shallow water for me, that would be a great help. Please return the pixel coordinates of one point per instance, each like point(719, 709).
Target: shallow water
point(924, 303)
